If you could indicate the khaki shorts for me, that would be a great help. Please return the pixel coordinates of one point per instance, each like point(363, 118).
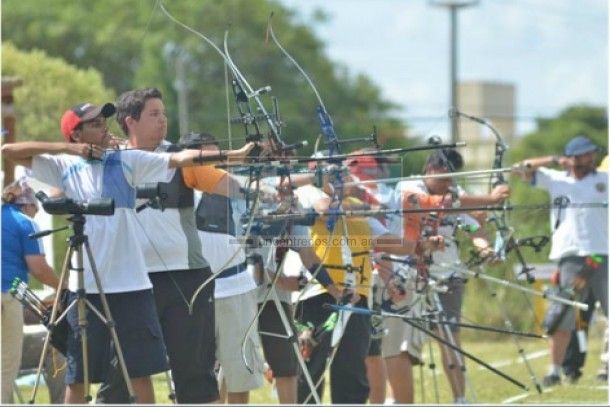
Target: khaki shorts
point(12, 344)
point(233, 316)
point(402, 337)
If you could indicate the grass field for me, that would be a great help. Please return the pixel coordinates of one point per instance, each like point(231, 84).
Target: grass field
point(483, 387)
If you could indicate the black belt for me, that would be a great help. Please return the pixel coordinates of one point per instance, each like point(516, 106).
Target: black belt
point(231, 271)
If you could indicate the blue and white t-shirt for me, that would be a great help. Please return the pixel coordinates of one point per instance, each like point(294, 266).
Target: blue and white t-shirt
point(113, 239)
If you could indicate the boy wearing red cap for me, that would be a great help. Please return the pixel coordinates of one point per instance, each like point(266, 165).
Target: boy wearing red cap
point(84, 169)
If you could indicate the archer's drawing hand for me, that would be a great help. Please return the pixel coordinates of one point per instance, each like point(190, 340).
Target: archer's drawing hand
point(86, 151)
point(114, 142)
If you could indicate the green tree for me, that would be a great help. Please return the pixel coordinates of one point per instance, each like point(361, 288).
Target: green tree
point(552, 134)
point(49, 86)
point(138, 46)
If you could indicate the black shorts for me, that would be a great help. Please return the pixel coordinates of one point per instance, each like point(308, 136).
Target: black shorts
point(451, 302)
point(190, 338)
point(138, 331)
point(279, 352)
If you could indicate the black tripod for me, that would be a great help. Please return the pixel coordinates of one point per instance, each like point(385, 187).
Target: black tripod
point(76, 244)
point(289, 334)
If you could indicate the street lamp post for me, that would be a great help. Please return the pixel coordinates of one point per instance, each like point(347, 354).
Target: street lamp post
point(453, 6)
point(177, 55)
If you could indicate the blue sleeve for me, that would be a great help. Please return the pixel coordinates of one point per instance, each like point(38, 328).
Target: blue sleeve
point(30, 246)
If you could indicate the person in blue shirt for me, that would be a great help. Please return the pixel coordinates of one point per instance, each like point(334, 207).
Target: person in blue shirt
point(20, 257)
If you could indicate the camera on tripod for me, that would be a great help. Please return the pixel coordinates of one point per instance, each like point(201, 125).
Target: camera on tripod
point(67, 206)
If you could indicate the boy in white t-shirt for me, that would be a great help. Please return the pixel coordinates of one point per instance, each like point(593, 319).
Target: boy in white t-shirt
point(83, 169)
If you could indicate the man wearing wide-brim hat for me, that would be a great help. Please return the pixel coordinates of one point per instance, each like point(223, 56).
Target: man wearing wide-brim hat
point(579, 234)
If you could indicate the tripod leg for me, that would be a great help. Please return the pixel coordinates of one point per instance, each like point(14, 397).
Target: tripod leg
point(327, 363)
point(516, 341)
point(422, 391)
point(82, 322)
point(52, 322)
point(292, 337)
point(290, 334)
point(458, 379)
point(110, 324)
point(432, 367)
point(170, 387)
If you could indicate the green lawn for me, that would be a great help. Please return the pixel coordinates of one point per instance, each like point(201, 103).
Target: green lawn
point(488, 387)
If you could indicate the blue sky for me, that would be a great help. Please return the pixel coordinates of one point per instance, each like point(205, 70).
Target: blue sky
point(555, 52)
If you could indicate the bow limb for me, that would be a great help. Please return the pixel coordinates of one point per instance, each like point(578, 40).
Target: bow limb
point(273, 126)
point(278, 149)
point(320, 102)
point(327, 130)
point(295, 63)
point(193, 31)
point(231, 66)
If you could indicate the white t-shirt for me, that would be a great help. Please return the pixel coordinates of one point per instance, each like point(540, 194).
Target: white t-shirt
point(308, 195)
point(114, 240)
point(223, 250)
point(169, 237)
point(582, 231)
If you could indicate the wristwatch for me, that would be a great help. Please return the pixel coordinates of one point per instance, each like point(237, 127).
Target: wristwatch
point(555, 159)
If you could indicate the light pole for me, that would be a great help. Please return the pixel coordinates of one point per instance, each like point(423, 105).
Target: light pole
point(453, 6)
point(179, 56)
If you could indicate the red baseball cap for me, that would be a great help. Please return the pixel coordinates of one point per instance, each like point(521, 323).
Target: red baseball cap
point(81, 113)
point(365, 167)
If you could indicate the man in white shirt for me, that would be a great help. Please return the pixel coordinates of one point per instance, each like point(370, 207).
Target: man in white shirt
point(579, 234)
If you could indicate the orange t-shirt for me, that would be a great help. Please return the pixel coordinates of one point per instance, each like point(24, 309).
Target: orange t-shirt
point(203, 178)
point(412, 221)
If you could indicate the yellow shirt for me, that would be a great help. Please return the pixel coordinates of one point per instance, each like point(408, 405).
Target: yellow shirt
point(328, 249)
point(603, 166)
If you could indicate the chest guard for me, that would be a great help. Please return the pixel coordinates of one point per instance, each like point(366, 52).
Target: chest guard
point(215, 214)
point(175, 194)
